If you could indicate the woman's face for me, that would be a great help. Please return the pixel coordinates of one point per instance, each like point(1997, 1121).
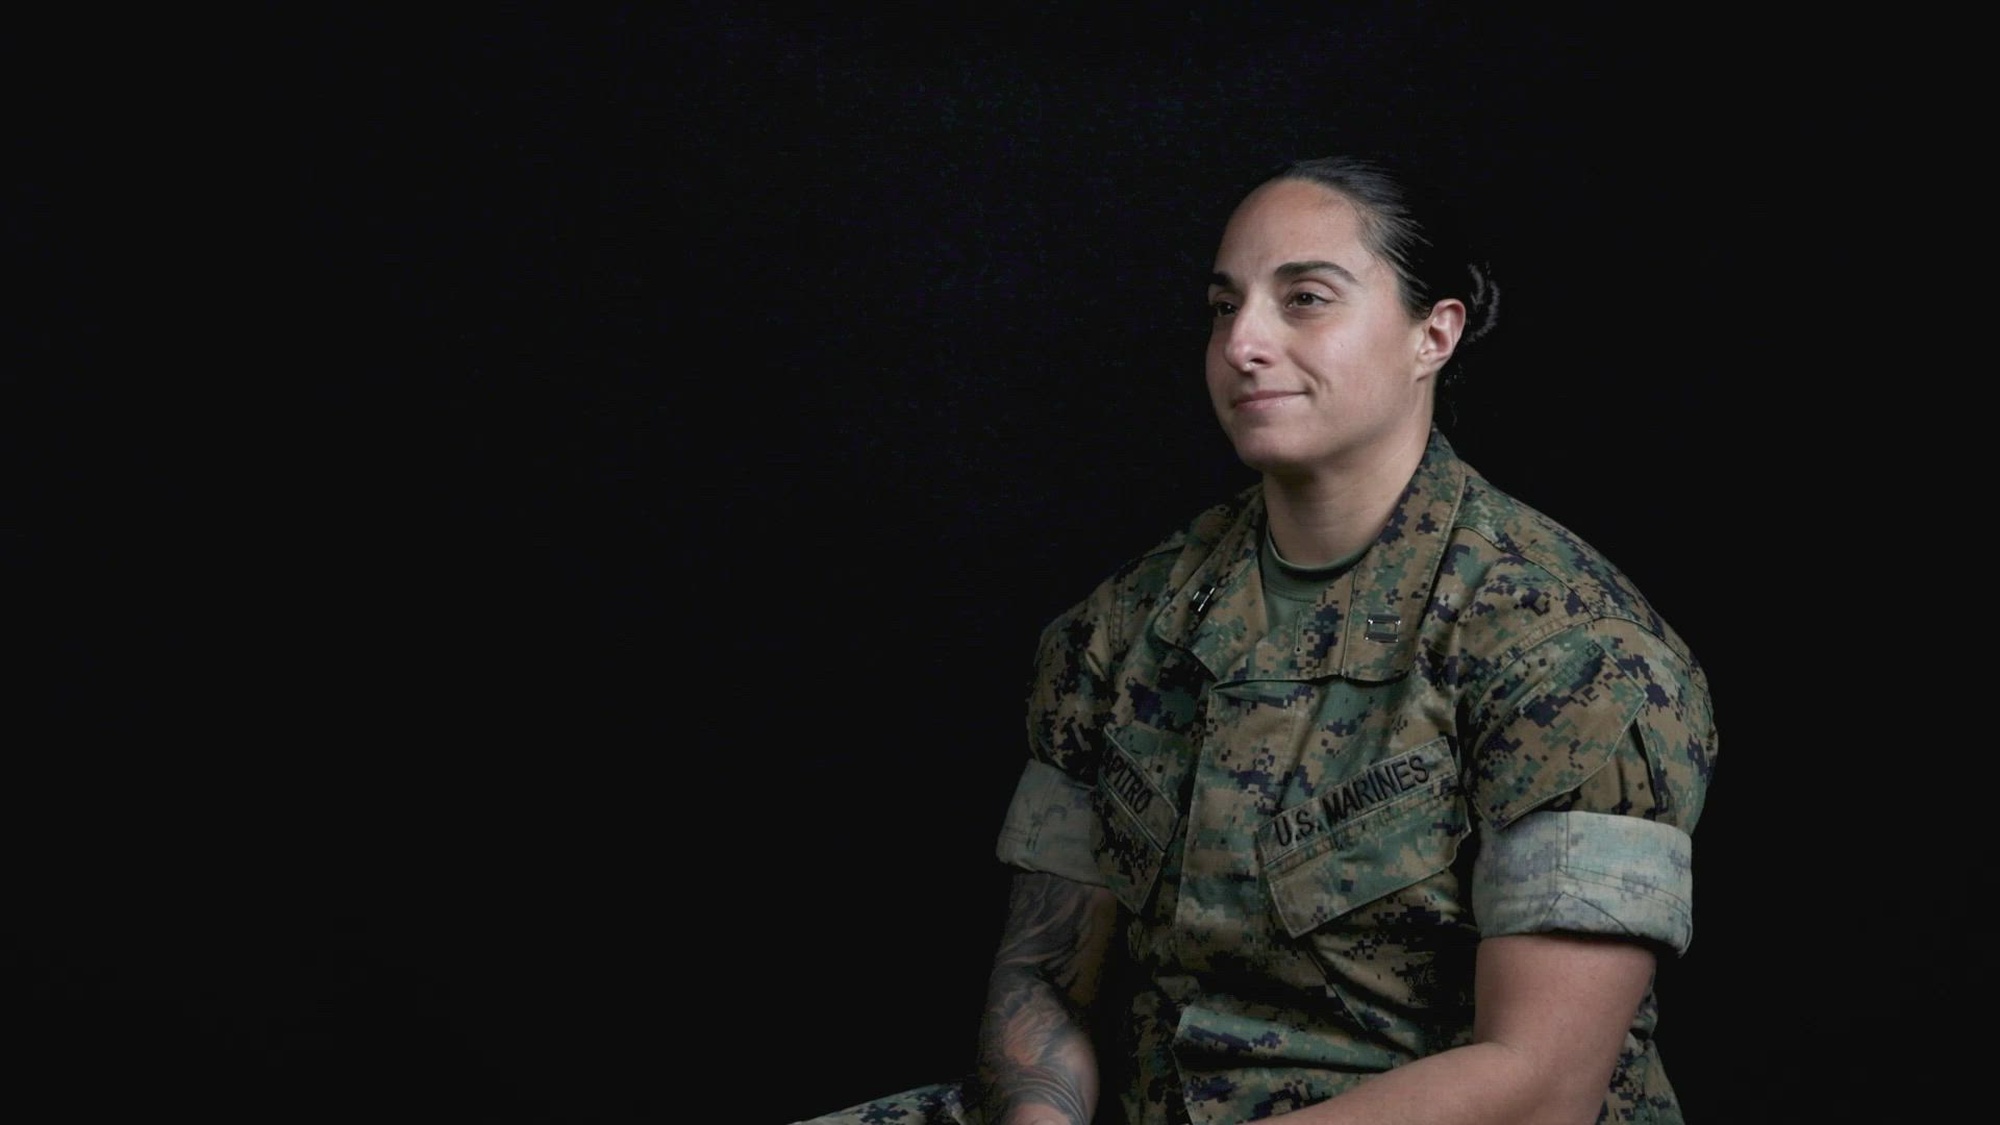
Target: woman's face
point(1314, 368)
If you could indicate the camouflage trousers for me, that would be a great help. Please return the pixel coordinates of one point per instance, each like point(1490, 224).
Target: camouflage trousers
point(942, 1104)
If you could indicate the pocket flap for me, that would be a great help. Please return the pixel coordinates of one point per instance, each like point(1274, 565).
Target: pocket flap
point(1397, 822)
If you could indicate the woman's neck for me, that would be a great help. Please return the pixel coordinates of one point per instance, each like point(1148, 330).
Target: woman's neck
point(1322, 517)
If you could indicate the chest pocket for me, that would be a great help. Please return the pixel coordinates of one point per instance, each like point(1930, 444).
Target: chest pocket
point(1393, 824)
point(1136, 814)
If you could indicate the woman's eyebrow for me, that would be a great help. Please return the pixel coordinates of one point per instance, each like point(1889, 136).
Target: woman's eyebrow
point(1290, 270)
point(1294, 269)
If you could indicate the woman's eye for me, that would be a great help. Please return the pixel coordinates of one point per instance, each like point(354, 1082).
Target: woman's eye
point(1303, 299)
point(1221, 308)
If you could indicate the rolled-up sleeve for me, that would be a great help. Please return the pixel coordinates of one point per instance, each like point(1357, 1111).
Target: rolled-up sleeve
point(1585, 872)
point(1048, 825)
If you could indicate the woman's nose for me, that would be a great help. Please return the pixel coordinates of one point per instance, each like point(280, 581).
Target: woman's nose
point(1249, 341)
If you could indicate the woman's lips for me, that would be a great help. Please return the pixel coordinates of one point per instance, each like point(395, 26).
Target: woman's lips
point(1263, 400)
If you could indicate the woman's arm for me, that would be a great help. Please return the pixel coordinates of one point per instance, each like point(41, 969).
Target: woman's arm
point(1037, 1065)
point(1550, 1016)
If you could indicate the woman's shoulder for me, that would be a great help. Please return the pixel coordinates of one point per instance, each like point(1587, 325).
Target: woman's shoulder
point(1144, 580)
point(1517, 553)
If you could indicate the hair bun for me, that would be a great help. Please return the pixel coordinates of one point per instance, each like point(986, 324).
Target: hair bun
point(1482, 305)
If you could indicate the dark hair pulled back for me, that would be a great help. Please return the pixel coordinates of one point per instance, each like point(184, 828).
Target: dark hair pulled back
point(1418, 232)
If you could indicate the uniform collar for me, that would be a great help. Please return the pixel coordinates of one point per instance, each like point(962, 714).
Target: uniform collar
point(1365, 626)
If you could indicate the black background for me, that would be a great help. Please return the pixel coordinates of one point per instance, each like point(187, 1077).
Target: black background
point(538, 520)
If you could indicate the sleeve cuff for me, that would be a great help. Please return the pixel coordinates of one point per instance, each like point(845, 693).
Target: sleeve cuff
point(1048, 826)
point(1583, 872)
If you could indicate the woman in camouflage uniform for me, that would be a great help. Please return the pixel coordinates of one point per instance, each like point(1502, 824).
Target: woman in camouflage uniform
point(1366, 795)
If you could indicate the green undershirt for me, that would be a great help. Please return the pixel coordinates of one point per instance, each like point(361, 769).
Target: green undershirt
point(1290, 589)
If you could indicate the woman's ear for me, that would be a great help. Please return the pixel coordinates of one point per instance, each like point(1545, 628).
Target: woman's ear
point(1440, 334)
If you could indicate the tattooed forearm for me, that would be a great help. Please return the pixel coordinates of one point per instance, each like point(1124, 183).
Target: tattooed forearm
point(1056, 930)
point(1035, 1056)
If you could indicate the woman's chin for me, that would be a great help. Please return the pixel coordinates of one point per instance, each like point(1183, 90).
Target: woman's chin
point(1271, 459)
